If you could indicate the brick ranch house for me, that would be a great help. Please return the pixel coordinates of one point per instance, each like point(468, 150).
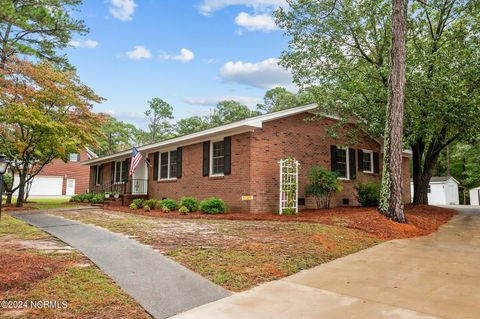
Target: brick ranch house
point(238, 162)
point(63, 178)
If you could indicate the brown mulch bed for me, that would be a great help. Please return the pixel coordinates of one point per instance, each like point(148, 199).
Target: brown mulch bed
point(18, 269)
point(422, 219)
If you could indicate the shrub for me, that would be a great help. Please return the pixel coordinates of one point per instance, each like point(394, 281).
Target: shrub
point(75, 198)
point(368, 194)
point(165, 209)
point(191, 203)
point(169, 203)
point(133, 206)
point(152, 203)
point(183, 210)
point(139, 202)
point(146, 208)
point(289, 212)
point(322, 185)
point(213, 206)
point(97, 198)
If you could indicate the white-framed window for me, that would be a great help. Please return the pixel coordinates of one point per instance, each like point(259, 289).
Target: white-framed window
point(367, 161)
point(74, 157)
point(217, 158)
point(168, 165)
point(120, 172)
point(343, 168)
point(98, 172)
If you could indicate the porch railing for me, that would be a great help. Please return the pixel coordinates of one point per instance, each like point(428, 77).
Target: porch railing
point(131, 186)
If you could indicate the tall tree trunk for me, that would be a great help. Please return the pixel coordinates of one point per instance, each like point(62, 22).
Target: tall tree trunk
point(391, 201)
point(9, 198)
point(22, 176)
point(448, 161)
point(420, 185)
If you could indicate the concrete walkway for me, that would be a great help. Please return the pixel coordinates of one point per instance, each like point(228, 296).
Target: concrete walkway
point(436, 276)
point(163, 287)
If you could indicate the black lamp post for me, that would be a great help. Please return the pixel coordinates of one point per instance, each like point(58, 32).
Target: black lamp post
point(3, 168)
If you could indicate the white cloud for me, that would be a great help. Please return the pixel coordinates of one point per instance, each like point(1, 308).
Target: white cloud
point(259, 22)
point(122, 9)
point(89, 44)
point(265, 74)
point(209, 6)
point(184, 56)
point(139, 52)
point(213, 100)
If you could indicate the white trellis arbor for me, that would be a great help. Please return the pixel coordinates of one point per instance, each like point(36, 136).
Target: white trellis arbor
point(288, 198)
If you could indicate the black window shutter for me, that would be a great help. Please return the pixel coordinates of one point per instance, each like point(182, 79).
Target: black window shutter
point(360, 160)
point(352, 163)
point(376, 163)
point(126, 169)
point(100, 172)
point(155, 166)
point(93, 173)
point(113, 171)
point(78, 157)
point(333, 158)
point(206, 158)
point(227, 144)
point(179, 162)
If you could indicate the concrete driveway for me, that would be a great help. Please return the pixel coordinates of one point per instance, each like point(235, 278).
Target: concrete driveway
point(437, 276)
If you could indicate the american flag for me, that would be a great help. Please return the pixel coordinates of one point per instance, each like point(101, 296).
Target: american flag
point(136, 159)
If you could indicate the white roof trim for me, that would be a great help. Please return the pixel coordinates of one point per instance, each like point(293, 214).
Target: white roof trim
point(239, 127)
point(445, 181)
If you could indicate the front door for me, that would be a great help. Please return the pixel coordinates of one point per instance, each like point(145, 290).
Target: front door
point(70, 187)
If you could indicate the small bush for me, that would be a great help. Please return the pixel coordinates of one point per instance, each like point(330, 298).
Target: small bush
point(97, 198)
point(152, 203)
point(183, 210)
point(170, 203)
point(322, 185)
point(146, 208)
point(133, 206)
point(213, 206)
point(191, 203)
point(139, 202)
point(165, 209)
point(75, 198)
point(368, 194)
point(289, 212)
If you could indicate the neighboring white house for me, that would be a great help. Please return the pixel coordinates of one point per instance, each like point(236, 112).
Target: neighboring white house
point(442, 190)
point(475, 196)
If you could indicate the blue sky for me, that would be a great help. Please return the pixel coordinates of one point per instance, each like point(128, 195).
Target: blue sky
point(190, 53)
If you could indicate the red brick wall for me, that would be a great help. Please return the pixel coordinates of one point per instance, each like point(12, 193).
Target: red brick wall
point(230, 188)
point(306, 141)
point(255, 170)
point(70, 170)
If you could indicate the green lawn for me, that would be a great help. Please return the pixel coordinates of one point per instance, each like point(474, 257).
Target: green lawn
point(30, 272)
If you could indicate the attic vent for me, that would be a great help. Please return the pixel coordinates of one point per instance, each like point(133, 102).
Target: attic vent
point(345, 201)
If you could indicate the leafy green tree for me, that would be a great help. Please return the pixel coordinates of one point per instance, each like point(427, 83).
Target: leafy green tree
point(116, 136)
point(344, 54)
point(191, 125)
point(160, 114)
point(230, 111)
point(37, 28)
point(45, 113)
point(277, 99)
point(464, 163)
